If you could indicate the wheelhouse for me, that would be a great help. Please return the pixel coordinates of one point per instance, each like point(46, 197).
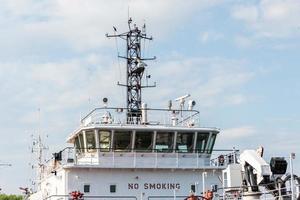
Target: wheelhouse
point(144, 139)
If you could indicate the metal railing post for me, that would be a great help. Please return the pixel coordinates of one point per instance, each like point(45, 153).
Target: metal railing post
point(234, 156)
point(292, 156)
point(113, 154)
point(204, 174)
point(177, 159)
point(156, 159)
point(134, 159)
point(197, 159)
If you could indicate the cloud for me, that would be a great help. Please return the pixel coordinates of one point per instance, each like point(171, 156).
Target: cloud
point(248, 13)
point(82, 24)
point(243, 41)
point(270, 18)
point(67, 84)
point(210, 36)
point(238, 132)
point(236, 99)
point(57, 87)
point(212, 81)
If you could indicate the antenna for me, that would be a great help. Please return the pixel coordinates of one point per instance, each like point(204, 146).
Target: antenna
point(5, 165)
point(181, 100)
point(37, 149)
point(135, 70)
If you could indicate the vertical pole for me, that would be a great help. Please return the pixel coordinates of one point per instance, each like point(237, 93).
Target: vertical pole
point(156, 159)
point(234, 155)
point(134, 159)
point(84, 142)
point(196, 185)
point(195, 143)
point(75, 156)
point(204, 174)
point(292, 156)
point(174, 193)
point(197, 159)
point(97, 146)
point(223, 183)
point(177, 160)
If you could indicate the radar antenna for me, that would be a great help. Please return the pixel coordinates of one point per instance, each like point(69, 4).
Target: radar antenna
point(135, 69)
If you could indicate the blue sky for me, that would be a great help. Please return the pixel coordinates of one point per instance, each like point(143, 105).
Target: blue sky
point(238, 59)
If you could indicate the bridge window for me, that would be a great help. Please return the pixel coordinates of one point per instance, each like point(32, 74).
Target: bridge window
point(79, 144)
point(122, 140)
point(104, 140)
point(143, 141)
point(164, 141)
point(184, 142)
point(211, 142)
point(201, 142)
point(90, 140)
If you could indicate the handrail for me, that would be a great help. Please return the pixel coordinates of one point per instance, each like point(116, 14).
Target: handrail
point(154, 109)
point(174, 117)
point(91, 196)
point(192, 151)
point(77, 156)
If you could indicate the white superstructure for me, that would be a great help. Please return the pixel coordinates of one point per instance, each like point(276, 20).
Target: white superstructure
point(111, 158)
point(141, 153)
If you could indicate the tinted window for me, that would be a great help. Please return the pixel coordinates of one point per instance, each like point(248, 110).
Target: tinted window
point(122, 141)
point(143, 141)
point(164, 141)
point(104, 140)
point(79, 143)
point(90, 140)
point(211, 143)
point(201, 142)
point(185, 142)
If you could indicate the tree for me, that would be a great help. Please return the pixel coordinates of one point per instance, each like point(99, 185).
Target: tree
point(10, 197)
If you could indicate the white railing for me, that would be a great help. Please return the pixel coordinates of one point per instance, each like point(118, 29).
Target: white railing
point(264, 194)
point(140, 159)
point(154, 117)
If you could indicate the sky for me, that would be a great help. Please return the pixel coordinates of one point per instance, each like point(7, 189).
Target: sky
point(238, 59)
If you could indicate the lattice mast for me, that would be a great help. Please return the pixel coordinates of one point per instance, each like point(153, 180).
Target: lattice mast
point(135, 69)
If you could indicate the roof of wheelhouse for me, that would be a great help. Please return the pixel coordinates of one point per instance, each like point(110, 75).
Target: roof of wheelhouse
point(114, 118)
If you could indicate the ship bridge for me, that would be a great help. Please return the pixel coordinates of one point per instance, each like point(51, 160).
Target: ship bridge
point(105, 139)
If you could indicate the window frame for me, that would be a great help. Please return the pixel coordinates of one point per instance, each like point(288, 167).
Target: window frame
point(100, 132)
point(129, 146)
point(190, 148)
point(90, 133)
point(150, 146)
point(205, 146)
point(171, 142)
